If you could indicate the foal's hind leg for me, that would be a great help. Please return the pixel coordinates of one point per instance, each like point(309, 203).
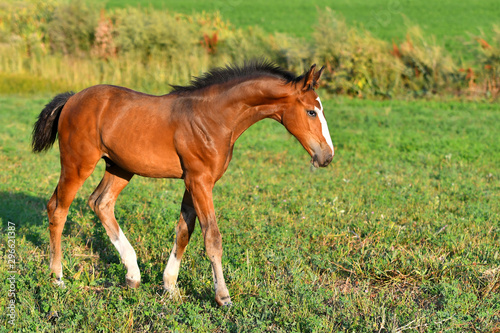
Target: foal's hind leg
point(183, 232)
point(102, 202)
point(71, 179)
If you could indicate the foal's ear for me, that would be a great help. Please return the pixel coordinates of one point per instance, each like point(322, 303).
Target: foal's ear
point(309, 79)
point(317, 75)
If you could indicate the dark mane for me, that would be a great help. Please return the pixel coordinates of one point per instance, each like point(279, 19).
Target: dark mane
point(230, 72)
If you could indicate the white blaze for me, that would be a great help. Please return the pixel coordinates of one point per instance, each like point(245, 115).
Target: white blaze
point(324, 125)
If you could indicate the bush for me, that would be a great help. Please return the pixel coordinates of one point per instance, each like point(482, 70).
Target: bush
point(292, 53)
point(245, 44)
point(426, 67)
point(488, 56)
point(356, 63)
point(147, 49)
point(22, 24)
point(71, 29)
point(148, 32)
point(361, 65)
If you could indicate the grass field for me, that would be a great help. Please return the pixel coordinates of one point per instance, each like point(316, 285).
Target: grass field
point(450, 21)
point(400, 233)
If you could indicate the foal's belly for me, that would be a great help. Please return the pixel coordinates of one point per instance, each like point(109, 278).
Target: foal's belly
point(147, 165)
point(148, 151)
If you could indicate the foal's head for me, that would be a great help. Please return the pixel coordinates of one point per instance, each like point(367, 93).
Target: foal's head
point(305, 119)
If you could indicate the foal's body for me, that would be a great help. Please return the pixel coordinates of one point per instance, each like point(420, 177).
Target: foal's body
point(187, 134)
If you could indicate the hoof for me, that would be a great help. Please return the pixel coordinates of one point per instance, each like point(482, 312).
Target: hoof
point(169, 287)
point(132, 283)
point(227, 304)
point(59, 283)
point(224, 301)
point(172, 292)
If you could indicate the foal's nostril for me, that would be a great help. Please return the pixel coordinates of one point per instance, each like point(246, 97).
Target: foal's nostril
point(328, 159)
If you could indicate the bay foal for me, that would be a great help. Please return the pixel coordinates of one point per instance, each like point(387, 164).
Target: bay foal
point(187, 134)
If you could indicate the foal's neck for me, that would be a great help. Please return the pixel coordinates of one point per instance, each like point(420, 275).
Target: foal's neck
point(253, 100)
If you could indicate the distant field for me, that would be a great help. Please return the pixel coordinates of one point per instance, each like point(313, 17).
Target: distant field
point(450, 21)
point(399, 234)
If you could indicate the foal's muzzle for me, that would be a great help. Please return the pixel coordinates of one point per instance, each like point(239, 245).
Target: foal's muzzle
point(322, 159)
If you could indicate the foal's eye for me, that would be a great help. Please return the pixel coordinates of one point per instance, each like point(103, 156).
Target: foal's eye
point(311, 113)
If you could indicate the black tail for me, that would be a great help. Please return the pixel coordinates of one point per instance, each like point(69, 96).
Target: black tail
point(45, 129)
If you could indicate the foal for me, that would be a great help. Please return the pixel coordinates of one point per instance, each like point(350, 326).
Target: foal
point(187, 134)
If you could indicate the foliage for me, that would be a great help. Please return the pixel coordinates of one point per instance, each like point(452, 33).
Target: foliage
point(246, 44)
point(23, 24)
point(149, 32)
point(427, 68)
point(71, 29)
point(81, 44)
point(448, 20)
point(400, 233)
point(356, 63)
point(488, 55)
point(361, 65)
point(291, 53)
point(143, 49)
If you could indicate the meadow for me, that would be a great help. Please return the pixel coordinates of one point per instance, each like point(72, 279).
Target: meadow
point(399, 233)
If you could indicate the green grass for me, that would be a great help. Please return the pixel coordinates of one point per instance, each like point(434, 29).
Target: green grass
point(400, 232)
point(450, 21)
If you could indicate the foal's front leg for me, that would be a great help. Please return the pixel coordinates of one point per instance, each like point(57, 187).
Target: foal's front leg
point(200, 189)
